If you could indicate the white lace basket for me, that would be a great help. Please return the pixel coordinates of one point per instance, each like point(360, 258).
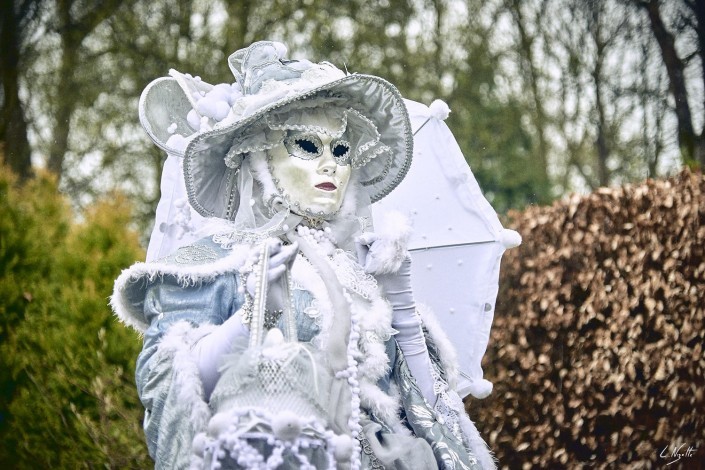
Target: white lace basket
point(270, 404)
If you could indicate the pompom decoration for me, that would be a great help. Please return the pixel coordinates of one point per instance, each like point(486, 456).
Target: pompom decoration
point(223, 92)
point(274, 337)
point(439, 110)
point(214, 105)
point(218, 424)
point(177, 142)
point(480, 388)
point(286, 426)
point(509, 238)
point(343, 447)
point(199, 444)
point(194, 120)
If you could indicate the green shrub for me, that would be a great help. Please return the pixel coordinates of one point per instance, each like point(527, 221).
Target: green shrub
point(68, 398)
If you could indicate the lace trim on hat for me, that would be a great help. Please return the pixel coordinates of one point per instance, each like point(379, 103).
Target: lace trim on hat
point(288, 126)
point(387, 168)
point(256, 142)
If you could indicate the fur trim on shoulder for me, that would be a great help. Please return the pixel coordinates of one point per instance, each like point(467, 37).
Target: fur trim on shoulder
point(178, 341)
point(130, 286)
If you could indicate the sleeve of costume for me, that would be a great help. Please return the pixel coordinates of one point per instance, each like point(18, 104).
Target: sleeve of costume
point(167, 376)
point(446, 426)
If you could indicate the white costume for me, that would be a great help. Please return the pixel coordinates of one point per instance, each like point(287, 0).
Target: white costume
point(362, 377)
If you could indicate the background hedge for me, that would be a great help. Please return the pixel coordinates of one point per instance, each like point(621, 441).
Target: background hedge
point(597, 347)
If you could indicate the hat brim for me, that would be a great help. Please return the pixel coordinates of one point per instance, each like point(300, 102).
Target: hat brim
point(162, 105)
point(210, 183)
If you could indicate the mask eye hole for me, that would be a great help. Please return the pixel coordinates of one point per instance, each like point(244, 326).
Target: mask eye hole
point(341, 152)
point(307, 145)
point(340, 149)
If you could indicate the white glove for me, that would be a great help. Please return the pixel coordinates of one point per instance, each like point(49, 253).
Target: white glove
point(410, 338)
point(281, 258)
point(210, 349)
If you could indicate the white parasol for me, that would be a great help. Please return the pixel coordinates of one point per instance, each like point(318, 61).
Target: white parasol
point(457, 241)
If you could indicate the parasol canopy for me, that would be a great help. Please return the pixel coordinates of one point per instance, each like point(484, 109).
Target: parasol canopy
point(457, 241)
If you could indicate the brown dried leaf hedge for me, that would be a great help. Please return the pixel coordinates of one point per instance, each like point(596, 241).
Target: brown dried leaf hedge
point(597, 345)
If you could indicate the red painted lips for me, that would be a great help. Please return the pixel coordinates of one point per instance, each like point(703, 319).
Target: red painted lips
point(327, 186)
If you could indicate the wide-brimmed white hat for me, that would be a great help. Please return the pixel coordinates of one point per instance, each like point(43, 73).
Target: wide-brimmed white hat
point(216, 127)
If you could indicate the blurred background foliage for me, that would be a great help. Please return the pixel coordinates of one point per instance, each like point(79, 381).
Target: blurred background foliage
point(548, 97)
point(66, 365)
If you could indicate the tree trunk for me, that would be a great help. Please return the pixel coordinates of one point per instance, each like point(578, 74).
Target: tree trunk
point(13, 124)
point(532, 76)
point(699, 10)
point(64, 108)
point(687, 139)
point(602, 144)
point(73, 32)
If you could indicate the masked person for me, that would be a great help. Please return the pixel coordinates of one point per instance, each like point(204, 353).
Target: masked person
point(285, 164)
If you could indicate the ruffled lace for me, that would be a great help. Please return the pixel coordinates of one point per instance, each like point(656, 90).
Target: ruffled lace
point(301, 120)
point(352, 276)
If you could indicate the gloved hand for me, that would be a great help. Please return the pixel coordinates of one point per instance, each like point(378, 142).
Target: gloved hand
point(210, 349)
point(281, 258)
point(397, 289)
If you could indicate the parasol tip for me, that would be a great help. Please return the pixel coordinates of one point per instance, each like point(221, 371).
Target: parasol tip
point(509, 238)
point(480, 388)
point(439, 109)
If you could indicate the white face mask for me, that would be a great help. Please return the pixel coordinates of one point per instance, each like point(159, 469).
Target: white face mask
point(312, 171)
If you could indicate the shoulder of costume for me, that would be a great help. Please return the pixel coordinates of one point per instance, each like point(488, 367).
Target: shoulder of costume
point(201, 262)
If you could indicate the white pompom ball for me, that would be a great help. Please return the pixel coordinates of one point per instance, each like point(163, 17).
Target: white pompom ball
point(480, 388)
point(194, 120)
point(221, 91)
point(199, 444)
point(439, 110)
point(286, 426)
point(177, 142)
point(509, 238)
point(343, 447)
point(274, 337)
point(218, 424)
point(214, 107)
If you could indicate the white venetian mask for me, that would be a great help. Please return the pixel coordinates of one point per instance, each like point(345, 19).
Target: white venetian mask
point(312, 170)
